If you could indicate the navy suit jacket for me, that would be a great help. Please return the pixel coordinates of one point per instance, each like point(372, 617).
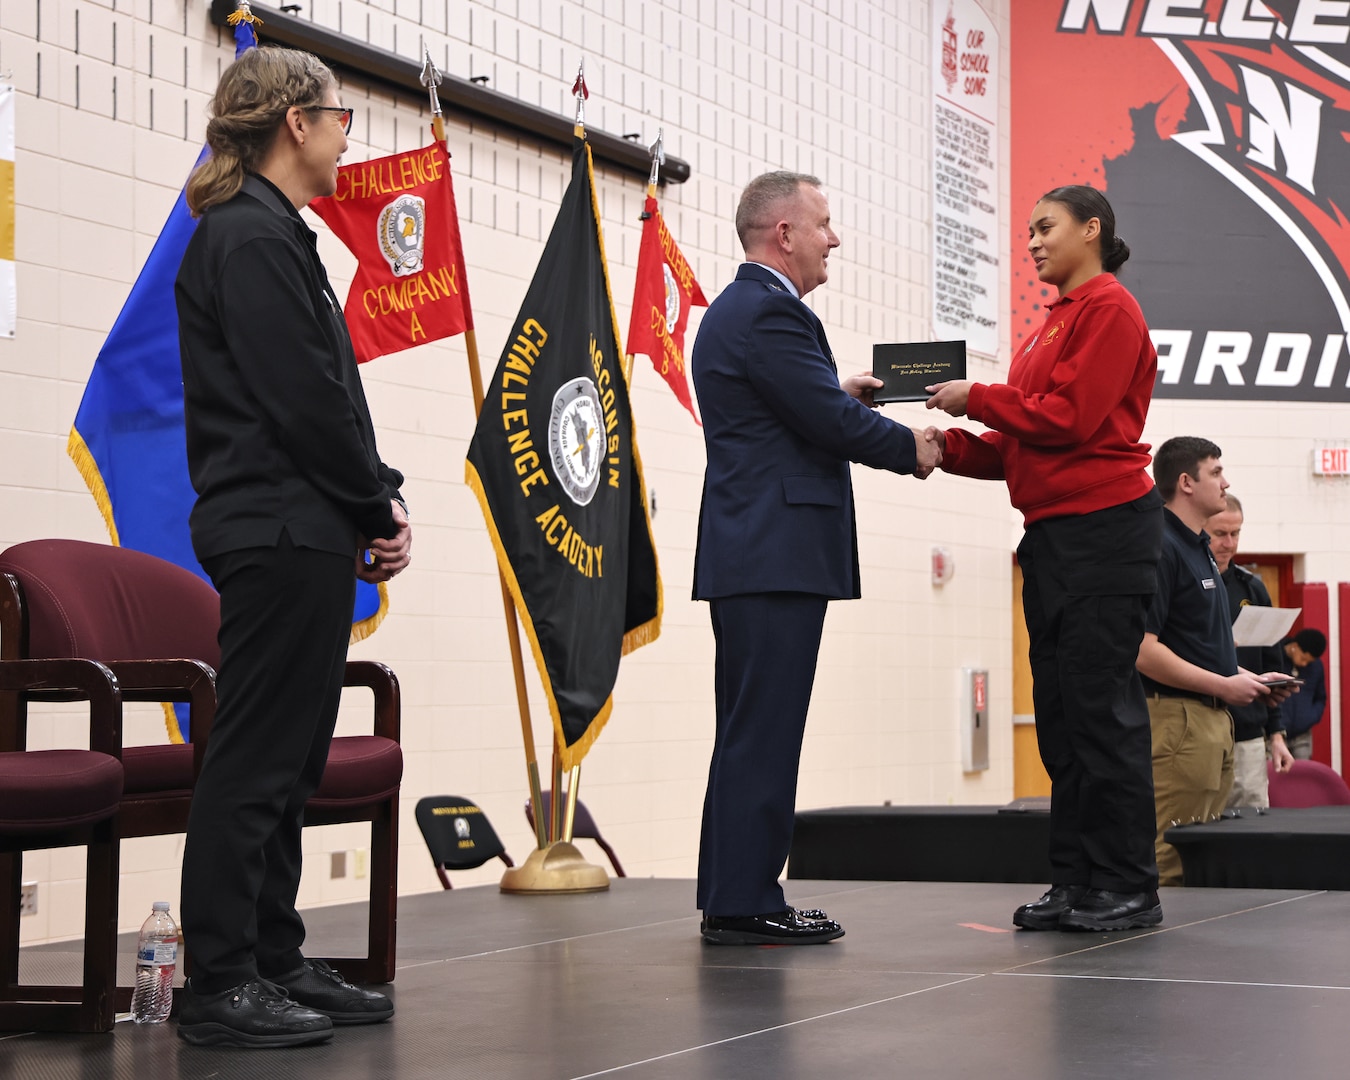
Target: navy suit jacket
point(777, 513)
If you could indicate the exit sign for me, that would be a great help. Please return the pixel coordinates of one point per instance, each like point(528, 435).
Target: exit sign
point(1331, 461)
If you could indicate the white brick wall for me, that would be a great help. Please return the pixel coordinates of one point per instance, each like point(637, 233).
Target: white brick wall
point(835, 87)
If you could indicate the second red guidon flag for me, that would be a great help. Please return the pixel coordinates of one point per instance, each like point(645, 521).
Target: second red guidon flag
point(397, 216)
point(665, 292)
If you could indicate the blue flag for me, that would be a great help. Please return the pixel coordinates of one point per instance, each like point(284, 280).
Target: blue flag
point(128, 440)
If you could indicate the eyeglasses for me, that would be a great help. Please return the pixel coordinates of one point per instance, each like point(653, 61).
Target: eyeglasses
point(344, 115)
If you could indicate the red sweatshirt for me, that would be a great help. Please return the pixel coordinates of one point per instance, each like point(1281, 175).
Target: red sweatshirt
point(1066, 424)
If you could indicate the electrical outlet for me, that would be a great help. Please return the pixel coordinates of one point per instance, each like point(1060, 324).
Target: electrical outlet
point(339, 865)
point(28, 898)
point(361, 857)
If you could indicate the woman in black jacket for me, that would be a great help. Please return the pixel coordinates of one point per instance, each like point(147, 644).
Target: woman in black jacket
point(290, 492)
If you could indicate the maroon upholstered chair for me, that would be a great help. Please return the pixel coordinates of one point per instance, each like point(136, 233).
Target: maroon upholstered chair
point(141, 616)
point(361, 783)
point(61, 798)
point(1307, 783)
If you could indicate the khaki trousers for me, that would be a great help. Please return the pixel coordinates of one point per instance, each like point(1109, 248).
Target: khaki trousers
point(1192, 769)
point(1251, 784)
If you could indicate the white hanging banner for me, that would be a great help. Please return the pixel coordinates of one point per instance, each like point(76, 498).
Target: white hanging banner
point(966, 235)
point(7, 294)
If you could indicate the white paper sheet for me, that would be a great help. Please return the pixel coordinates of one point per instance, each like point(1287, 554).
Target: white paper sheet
point(1263, 625)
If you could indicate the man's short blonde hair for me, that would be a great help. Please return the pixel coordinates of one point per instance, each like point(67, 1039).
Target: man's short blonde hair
point(761, 198)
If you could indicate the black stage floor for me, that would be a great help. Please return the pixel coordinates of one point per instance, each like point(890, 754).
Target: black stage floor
point(929, 982)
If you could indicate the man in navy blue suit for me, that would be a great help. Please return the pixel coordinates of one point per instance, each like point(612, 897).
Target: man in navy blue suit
point(777, 540)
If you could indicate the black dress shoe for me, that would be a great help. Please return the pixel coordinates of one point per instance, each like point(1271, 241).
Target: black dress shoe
point(317, 986)
point(254, 1014)
point(1102, 909)
point(1043, 914)
point(776, 928)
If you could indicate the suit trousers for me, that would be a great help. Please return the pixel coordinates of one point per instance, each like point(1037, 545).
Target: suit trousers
point(767, 644)
point(285, 620)
point(1087, 584)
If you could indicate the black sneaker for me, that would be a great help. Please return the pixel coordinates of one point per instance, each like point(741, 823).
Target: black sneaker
point(317, 986)
point(253, 1014)
point(1102, 909)
point(1043, 914)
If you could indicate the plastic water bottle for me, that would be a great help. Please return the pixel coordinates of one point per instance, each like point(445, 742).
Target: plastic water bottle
point(156, 961)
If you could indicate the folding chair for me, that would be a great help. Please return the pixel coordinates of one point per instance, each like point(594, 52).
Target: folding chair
point(458, 834)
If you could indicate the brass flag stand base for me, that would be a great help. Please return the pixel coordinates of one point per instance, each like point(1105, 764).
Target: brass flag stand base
point(558, 868)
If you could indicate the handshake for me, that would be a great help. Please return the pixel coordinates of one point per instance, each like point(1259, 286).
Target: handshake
point(929, 443)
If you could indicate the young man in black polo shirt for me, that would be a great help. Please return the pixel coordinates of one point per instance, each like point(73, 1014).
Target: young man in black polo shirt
point(1187, 657)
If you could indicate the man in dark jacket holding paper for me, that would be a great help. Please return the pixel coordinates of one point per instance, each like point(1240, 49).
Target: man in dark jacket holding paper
point(1260, 720)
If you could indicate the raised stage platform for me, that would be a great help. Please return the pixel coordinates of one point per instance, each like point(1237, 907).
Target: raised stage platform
point(930, 981)
point(923, 843)
point(1283, 848)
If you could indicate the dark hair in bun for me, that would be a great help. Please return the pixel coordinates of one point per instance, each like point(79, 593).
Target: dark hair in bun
point(1085, 203)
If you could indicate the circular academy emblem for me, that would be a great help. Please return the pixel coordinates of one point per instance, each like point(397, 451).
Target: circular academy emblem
point(402, 230)
point(672, 300)
point(576, 439)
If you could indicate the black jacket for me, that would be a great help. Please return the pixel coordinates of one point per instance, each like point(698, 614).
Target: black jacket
point(1256, 720)
point(278, 432)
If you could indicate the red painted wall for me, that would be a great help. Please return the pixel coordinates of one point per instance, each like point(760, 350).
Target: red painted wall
point(1343, 606)
point(1315, 600)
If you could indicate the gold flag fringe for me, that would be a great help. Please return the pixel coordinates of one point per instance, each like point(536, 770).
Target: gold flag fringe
point(363, 629)
point(78, 450)
point(570, 755)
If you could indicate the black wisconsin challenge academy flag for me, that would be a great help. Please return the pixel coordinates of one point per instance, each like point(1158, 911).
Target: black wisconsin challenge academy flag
point(557, 473)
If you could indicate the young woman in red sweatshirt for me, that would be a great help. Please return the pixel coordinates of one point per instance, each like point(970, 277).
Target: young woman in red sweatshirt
point(1064, 434)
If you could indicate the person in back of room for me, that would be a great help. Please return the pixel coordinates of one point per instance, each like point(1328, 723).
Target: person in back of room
point(1187, 658)
point(290, 491)
point(1303, 711)
point(1258, 727)
point(1066, 431)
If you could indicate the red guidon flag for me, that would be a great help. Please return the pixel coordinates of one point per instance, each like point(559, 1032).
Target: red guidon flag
point(665, 292)
point(397, 216)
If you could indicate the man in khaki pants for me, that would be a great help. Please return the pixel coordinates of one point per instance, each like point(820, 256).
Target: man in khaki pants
point(1187, 657)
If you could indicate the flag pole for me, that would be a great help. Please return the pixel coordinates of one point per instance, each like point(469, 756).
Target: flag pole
point(431, 78)
point(562, 825)
point(555, 866)
point(658, 152)
point(559, 867)
point(573, 783)
point(555, 816)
